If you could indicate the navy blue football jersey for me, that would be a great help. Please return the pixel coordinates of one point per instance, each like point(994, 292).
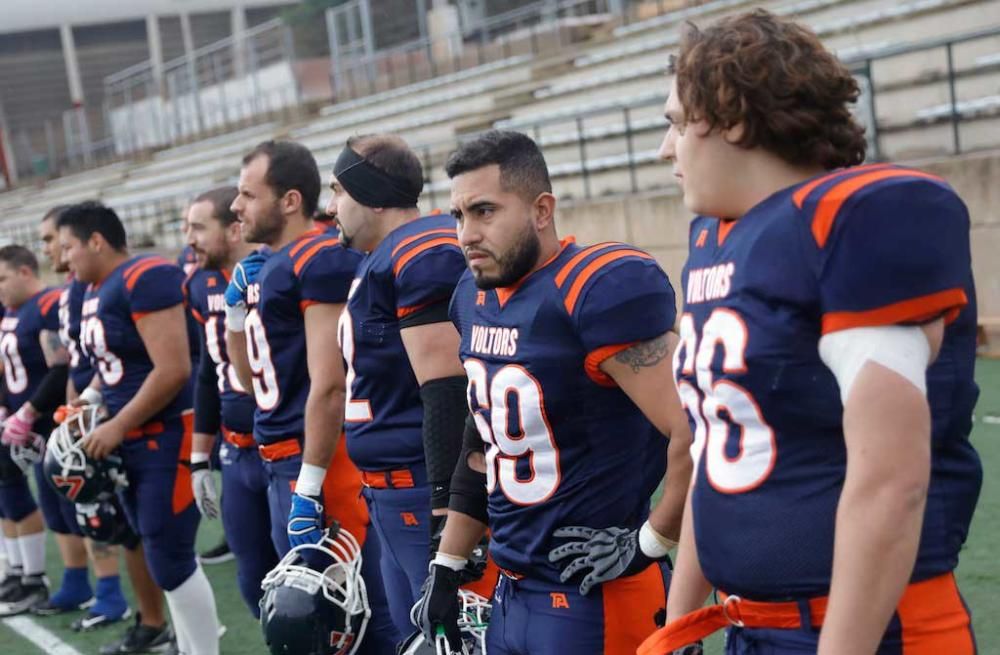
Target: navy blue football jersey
point(205, 291)
point(564, 444)
point(187, 260)
point(312, 269)
point(416, 265)
point(141, 285)
point(866, 246)
point(24, 364)
point(70, 315)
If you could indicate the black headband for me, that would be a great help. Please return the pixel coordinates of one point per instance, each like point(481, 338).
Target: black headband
point(370, 186)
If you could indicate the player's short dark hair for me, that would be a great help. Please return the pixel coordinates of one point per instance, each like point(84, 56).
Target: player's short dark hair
point(775, 77)
point(17, 256)
point(222, 200)
point(91, 217)
point(522, 167)
point(54, 212)
point(390, 154)
point(290, 166)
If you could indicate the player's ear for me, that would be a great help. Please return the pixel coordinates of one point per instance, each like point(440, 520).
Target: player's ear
point(544, 210)
point(735, 133)
point(291, 202)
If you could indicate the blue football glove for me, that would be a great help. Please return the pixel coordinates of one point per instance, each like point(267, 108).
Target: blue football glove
point(305, 521)
point(244, 274)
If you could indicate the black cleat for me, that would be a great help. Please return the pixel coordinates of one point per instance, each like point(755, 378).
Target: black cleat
point(140, 638)
point(217, 555)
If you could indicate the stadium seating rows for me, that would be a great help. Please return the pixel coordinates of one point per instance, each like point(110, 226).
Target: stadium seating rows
point(607, 94)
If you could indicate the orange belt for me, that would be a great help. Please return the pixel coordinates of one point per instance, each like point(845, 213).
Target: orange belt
point(272, 452)
point(148, 430)
point(732, 611)
point(398, 479)
point(238, 439)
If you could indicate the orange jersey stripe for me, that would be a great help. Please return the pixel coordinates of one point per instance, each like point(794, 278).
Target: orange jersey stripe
point(799, 197)
point(829, 205)
point(132, 277)
point(592, 267)
point(407, 241)
point(311, 252)
point(577, 258)
point(48, 299)
point(426, 245)
point(303, 240)
point(914, 309)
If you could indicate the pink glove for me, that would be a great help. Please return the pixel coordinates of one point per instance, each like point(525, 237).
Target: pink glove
point(17, 428)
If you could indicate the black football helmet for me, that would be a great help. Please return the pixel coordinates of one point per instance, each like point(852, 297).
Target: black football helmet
point(473, 618)
point(315, 601)
point(104, 521)
point(70, 471)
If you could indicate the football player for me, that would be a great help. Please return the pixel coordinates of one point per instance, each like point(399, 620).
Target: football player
point(221, 403)
point(282, 313)
point(110, 604)
point(826, 362)
point(405, 408)
point(34, 366)
point(134, 332)
point(567, 352)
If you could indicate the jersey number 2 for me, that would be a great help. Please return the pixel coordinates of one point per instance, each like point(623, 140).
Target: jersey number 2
point(517, 429)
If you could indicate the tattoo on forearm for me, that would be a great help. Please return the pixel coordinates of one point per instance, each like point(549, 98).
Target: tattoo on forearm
point(645, 354)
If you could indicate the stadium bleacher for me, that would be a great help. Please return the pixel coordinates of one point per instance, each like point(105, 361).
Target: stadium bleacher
point(595, 108)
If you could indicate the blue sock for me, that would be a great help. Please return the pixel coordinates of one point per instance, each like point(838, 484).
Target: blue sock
point(110, 601)
point(75, 588)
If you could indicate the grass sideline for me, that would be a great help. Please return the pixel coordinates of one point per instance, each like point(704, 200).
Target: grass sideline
point(978, 573)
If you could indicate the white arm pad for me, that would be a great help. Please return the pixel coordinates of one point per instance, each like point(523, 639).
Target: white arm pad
point(900, 348)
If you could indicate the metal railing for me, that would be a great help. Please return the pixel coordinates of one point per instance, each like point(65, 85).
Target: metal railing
point(222, 86)
point(357, 70)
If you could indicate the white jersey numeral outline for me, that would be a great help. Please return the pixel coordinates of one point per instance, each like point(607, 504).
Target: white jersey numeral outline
point(758, 449)
point(265, 377)
point(534, 439)
point(95, 343)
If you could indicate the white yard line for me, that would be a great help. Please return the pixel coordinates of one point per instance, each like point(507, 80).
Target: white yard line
point(39, 636)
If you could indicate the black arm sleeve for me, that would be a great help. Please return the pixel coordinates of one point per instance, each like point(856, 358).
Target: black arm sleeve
point(436, 312)
point(51, 391)
point(207, 405)
point(445, 410)
point(468, 486)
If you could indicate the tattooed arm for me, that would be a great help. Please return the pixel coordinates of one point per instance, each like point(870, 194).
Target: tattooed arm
point(643, 371)
point(54, 351)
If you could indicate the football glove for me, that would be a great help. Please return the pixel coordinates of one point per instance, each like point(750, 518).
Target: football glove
point(438, 607)
point(244, 274)
point(17, 428)
point(305, 521)
point(602, 554)
point(206, 496)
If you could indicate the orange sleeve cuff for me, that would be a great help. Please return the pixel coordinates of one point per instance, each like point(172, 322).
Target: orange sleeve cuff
point(948, 303)
point(592, 364)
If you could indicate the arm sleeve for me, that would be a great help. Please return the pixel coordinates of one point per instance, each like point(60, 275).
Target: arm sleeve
point(207, 404)
point(445, 410)
point(897, 253)
point(51, 391)
point(468, 486)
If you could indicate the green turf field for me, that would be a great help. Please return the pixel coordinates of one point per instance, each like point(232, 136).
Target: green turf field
point(979, 574)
